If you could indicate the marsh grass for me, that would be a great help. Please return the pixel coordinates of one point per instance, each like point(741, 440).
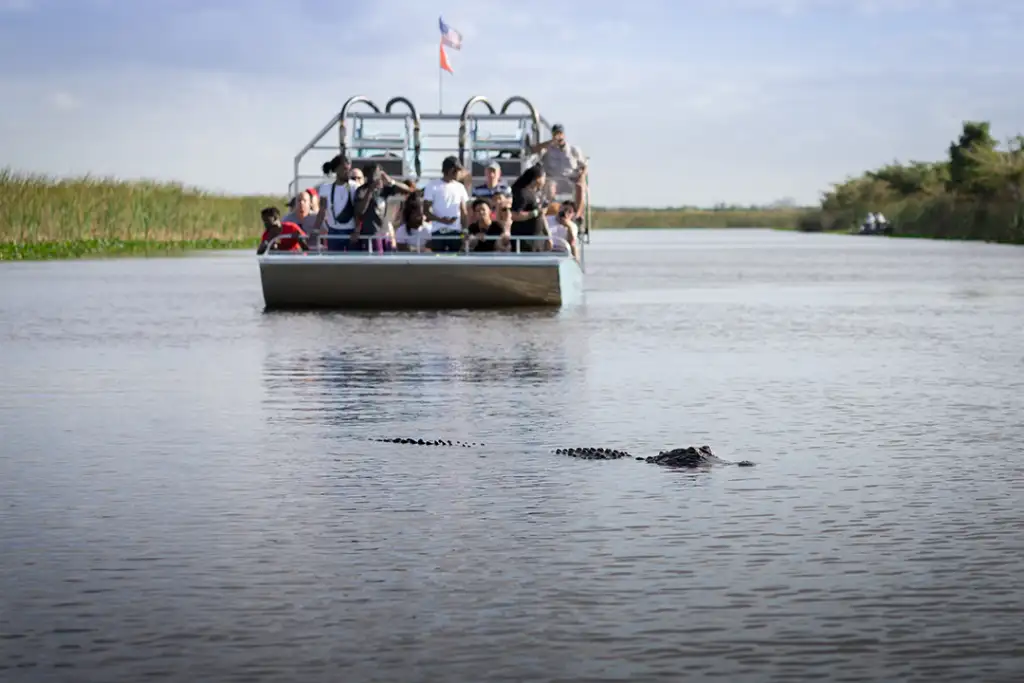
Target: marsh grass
point(85, 248)
point(47, 218)
point(698, 218)
point(41, 217)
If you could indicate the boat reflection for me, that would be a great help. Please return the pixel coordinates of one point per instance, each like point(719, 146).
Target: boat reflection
point(440, 368)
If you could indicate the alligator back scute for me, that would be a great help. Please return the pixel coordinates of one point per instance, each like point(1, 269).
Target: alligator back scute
point(429, 442)
point(593, 453)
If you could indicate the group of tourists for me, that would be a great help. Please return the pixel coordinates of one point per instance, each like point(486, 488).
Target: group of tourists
point(350, 213)
point(875, 224)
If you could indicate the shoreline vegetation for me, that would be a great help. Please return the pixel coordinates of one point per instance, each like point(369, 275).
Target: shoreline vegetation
point(46, 218)
point(976, 193)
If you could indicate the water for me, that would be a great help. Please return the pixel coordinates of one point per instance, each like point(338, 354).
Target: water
point(188, 493)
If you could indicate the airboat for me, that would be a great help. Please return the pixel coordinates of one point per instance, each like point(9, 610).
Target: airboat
point(400, 141)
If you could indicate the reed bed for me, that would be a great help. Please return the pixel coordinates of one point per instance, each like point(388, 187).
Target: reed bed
point(699, 218)
point(42, 217)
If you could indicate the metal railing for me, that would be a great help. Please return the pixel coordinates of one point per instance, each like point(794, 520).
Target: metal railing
point(369, 249)
point(468, 142)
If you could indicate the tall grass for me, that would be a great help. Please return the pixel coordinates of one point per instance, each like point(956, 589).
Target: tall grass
point(43, 217)
point(788, 218)
point(36, 211)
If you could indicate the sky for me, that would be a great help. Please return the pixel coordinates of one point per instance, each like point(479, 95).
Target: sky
point(675, 102)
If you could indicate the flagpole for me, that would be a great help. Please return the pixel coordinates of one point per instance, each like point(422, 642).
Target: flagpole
point(440, 90)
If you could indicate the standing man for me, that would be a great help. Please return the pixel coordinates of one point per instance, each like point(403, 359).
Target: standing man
point(563, 163)
point(444, 203)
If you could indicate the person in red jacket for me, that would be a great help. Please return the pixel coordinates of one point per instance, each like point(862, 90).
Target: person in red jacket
point(295, 240)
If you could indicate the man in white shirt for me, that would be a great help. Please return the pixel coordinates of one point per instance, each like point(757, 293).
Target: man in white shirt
point(445, 203)
point(337, 205)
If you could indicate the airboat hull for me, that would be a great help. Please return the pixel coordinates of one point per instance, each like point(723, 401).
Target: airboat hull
point(418, 281)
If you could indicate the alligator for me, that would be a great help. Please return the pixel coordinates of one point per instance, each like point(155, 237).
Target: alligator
point(690, 457)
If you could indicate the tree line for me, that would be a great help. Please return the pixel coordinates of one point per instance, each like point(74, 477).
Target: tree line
point(976, 193)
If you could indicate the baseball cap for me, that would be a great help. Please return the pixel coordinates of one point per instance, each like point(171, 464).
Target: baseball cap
point(494, 165)
point(557, 128)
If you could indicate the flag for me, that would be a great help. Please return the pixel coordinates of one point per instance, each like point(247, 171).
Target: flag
point(449, 36)
point(444, 60)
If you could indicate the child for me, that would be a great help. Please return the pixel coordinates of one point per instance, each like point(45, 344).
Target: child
point(273, 227)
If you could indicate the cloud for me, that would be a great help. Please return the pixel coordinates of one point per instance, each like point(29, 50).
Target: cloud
point(745, 100)
point(63, 101)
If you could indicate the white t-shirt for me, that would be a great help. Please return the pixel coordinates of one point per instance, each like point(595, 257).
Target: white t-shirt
point(558, 230)
point(417, 239)
point(341, 194)
point(446, 201)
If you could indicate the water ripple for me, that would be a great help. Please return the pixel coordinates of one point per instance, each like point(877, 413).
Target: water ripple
point(189, 485)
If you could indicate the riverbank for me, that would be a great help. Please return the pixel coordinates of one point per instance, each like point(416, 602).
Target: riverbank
point(977, 193)
point(942, 217)
point(86, 248)
point(45, 218)
point(787, 218)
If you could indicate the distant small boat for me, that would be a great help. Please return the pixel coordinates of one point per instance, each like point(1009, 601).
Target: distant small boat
point(366, 279)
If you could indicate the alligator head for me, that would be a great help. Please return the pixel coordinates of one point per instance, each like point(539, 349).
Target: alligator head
point(689, 457)
point(692, 457)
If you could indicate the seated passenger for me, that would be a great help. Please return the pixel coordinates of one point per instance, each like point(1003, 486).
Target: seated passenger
point(563, 163)
point(492, 187)
point(562, 227)
point(414, 232)
point(372, 203)
point(314, 200)
point(528, 211)
point(503, 217)
point(485, 233)
point(444, 203)
point(274, 226)
point(303, 215)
